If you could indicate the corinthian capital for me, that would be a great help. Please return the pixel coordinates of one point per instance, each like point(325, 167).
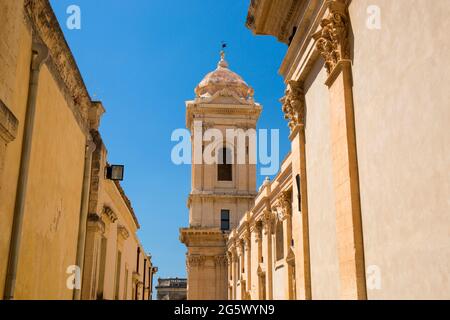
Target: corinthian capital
point(332, 39)
point(195, 261)
point(294, 104)
point(268, 220)
point(283, 205)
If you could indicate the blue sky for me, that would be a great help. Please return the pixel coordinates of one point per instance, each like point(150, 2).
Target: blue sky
point(143, 59)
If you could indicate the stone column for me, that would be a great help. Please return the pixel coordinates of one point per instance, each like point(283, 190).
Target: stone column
point(332, 42)
point(234, 259)
point(248, 260)
point(92, 261)
point(194, 264)
point(268, 221)
point(294, 110)
point(240, 265)
point(221, 273)
point(283, 208)
point(230, 275)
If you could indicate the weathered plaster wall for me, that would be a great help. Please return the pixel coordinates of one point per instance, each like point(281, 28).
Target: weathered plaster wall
point(322, 214)
point(401, 96)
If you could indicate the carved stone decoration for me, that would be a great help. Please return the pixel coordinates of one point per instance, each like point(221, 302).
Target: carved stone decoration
point(332, 40)
point(8, 124)
point(283, 205)
point(294, 105)
point(95, 223)
point(123, 232)
point(110, 214)
point(255, 227)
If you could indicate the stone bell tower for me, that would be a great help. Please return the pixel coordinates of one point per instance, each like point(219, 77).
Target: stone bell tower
point(222, 190)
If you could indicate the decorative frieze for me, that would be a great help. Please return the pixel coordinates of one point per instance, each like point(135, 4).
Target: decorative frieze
point(332, 39)
point(294, 105)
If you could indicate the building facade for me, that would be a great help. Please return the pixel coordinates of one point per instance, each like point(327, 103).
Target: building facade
point(360, 207)
point(223, 188)
point(56, 207)
point(172, 289)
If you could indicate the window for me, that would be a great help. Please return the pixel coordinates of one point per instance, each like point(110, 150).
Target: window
point(225, 167)
point(279, 242)
point(225, 220)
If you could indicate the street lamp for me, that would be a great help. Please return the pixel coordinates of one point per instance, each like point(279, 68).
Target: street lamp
point(115, 172)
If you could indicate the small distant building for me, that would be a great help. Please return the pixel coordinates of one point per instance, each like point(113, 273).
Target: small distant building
point(172, 289)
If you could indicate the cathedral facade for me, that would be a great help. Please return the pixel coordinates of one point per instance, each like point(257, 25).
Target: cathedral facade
point(359, 209)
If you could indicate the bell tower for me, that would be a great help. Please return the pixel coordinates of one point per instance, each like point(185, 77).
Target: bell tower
point(223, 185)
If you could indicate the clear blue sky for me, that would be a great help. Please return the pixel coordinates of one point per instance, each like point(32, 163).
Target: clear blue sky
point(143, 59)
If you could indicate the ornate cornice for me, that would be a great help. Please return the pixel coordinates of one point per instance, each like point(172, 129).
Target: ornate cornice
point(294, 105)
point(332, 39)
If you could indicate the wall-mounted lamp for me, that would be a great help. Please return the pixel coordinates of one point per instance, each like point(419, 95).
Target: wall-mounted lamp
point(115, 172)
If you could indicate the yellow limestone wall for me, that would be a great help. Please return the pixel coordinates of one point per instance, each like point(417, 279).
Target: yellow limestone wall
point(321, 201)
point(52, 207)
point(15, 55)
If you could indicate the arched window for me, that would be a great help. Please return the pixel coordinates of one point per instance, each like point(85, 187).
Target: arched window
point(224, 166)
point(279, 242)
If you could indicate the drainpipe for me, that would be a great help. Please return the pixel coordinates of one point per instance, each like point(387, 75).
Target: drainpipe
point(81, 244)
point(39, 55)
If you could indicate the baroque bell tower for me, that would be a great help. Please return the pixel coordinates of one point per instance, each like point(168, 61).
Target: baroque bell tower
point(224, 185)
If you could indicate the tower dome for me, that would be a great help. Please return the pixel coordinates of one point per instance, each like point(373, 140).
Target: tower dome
point(223, 80)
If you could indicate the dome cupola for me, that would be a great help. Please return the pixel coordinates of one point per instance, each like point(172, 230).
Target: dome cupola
point(225, 81)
